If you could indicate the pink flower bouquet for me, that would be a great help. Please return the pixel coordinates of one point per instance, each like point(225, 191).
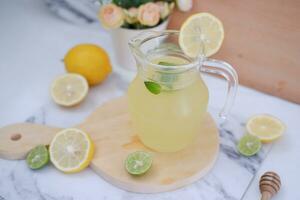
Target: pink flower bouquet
point(136, 14)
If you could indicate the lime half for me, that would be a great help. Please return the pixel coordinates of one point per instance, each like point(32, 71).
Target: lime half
point(138, 162)
point(38, 157)
point(249, 145)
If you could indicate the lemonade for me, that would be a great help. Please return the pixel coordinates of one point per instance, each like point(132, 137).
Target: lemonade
point(168, 99)
point(172, 119)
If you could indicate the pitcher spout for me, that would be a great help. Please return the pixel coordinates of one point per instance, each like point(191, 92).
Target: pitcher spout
point(137, 44)
point(134, 45)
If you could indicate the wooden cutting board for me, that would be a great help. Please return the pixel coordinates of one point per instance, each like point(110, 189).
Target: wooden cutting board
point(110, 129)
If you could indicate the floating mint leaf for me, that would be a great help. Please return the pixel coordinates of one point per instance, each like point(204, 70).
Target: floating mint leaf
point(166, 63)
point(153, 87)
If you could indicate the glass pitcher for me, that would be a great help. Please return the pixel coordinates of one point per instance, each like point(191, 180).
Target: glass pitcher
point(168, 98)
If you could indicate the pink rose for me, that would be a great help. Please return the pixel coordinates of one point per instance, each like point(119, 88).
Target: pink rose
point(111, 16)
point(148, 14)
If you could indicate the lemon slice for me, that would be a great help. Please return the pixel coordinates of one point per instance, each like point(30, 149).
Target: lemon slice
point(201, 34)
point(266, 127)
point(69, 89)
point(71, 150)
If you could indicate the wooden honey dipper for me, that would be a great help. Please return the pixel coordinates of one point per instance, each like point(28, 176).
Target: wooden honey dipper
point(269, 185)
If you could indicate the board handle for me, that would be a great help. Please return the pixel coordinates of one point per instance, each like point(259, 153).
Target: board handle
point(17, 140)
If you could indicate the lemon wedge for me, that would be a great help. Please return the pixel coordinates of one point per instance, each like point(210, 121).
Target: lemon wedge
point(266, 127)
point(71, 150)
point(69, 89)
point(201, 34)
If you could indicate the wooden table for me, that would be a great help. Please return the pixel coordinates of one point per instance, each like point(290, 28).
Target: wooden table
point(262, 42)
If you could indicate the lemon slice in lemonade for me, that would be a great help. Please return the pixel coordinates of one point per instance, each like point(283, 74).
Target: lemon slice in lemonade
point(71, 150)
point(201, 34)
point(69, 89)
point(266, 127)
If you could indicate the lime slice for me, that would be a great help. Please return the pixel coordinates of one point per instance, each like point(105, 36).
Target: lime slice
point(38, 157)
point(69, 89)
point(138, 162)
point(266, 127)
point(249, 145)
point(201, 34)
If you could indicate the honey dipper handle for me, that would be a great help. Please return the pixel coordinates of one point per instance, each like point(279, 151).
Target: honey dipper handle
point(266, 196)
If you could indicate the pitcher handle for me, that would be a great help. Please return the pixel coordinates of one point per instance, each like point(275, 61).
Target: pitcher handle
point(226, 70)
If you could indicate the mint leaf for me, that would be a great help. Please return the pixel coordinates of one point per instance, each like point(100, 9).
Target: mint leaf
point(153, 87)
point(166, 63)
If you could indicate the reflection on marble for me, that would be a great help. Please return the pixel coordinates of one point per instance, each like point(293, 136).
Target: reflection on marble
point(228, 179)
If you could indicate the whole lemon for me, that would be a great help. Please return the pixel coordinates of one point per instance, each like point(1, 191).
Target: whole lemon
point(89, 60)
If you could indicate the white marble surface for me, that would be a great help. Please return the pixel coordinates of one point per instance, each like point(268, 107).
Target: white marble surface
point(32, 44)
point(229, 178)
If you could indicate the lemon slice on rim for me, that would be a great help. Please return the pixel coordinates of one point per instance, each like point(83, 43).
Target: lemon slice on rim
point(201, 33)
point(71, 150)
point(69, 89)
point(266, 127)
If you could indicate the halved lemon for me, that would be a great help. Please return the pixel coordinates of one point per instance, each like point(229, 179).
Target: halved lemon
point(201, 34)
point(71, 150)
point(266, 127)
point(69, 89)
